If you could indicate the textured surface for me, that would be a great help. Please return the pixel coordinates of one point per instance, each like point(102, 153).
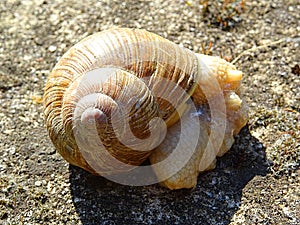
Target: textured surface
point(257, 182)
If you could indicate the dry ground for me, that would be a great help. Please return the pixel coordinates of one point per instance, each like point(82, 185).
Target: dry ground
point(257, 182)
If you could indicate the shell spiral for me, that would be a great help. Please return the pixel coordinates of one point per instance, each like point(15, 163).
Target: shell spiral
point(130, 55)
point(107, 96)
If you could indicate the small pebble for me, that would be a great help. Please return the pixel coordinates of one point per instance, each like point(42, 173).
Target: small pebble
point(52, 48)
point(38, 183)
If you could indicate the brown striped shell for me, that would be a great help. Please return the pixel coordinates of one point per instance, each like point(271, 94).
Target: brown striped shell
point(115, 78)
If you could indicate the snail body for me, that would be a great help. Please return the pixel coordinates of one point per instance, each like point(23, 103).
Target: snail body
point(117, 98)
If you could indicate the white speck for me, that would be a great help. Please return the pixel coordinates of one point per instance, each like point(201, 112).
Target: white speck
point(77, 200)
point(214, 181)
point(12, 150)
point(52, 48)
point(27, 57)
point(38, 183)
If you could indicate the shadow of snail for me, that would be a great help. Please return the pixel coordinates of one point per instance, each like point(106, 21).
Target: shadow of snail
point(124, 96)
point(214, 200)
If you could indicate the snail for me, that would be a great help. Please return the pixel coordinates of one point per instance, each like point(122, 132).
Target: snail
point(123, 96)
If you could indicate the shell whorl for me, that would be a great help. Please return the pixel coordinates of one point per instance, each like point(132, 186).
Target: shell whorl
point(139, 59)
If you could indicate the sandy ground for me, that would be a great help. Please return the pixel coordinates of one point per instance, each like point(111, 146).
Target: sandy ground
point(257, 182)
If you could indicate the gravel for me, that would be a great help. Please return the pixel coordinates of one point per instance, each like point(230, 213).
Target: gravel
point(256, 182)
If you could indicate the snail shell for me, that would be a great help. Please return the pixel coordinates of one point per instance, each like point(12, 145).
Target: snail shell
point(107, 96)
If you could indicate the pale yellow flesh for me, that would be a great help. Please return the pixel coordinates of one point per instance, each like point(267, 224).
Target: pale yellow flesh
point(218, 78)
point(186, 177)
